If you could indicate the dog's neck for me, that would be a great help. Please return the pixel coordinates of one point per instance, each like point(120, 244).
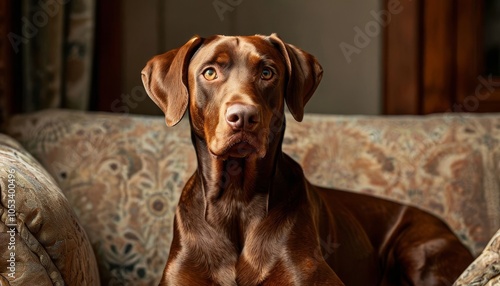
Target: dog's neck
point(240, 179)
point(238, 191)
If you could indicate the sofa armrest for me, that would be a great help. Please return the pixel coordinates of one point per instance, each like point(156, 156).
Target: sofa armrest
point(485, 270)
point(42, 242)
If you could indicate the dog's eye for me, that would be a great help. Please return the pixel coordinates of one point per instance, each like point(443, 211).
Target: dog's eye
point(266, 74)
point(210, 74)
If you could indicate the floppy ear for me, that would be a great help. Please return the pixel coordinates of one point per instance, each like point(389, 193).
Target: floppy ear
point(165, 79)
point(304, 75)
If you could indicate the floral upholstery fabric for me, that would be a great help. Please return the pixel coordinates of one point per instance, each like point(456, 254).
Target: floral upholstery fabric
point(42, 241)
point(123, 174)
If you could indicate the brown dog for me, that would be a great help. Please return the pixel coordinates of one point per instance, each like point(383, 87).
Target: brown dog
point(248, 216)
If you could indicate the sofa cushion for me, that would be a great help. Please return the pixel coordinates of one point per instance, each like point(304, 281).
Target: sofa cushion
point(42, 240)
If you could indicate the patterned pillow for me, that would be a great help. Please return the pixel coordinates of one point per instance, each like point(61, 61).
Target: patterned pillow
point(42, 241)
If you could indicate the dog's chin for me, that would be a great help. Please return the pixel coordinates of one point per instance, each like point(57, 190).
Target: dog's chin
point(241, 150)
point(240, 147)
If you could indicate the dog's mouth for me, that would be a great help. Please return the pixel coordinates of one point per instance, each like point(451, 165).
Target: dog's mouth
point(241, 150)
point(240, 145)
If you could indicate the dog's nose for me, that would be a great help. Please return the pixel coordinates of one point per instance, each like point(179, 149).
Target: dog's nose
point(242, 117)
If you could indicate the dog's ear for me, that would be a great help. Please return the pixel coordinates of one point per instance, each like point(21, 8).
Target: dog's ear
point(304, 75)
point(165, 79)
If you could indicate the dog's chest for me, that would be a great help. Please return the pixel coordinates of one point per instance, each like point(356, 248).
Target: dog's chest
point(236, 220)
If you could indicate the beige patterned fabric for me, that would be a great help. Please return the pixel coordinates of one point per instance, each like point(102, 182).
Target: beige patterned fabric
point(41, 239)
point(123, 174)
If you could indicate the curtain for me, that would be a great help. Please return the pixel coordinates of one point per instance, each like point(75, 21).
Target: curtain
point(57, 46)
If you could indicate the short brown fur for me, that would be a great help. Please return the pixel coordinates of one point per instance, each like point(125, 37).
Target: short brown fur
point(248, 216)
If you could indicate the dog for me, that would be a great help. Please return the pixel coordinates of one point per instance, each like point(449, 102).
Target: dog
point(248, 216)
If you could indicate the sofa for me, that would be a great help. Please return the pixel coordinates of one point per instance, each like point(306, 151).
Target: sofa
point(95, 193)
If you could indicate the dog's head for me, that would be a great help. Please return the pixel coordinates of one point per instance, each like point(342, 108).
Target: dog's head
point(235, 88)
